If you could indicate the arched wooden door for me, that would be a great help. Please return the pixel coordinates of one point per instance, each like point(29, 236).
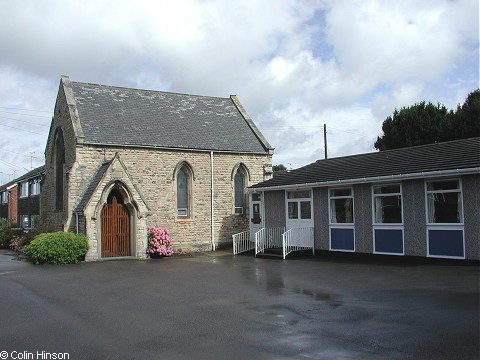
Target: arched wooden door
point(115, 227)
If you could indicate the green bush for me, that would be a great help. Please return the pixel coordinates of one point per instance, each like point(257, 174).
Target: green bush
point(20, 240)
point(58, 248)
point(7, 234)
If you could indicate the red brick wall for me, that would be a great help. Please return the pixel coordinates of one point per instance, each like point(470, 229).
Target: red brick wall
point(13, 206)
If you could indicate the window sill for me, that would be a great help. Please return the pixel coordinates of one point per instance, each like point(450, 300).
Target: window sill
point(180, 221)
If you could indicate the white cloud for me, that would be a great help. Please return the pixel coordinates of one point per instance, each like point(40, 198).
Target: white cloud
point(295, 65)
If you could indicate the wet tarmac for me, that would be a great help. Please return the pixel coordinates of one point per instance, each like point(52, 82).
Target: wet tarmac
point(219, 306)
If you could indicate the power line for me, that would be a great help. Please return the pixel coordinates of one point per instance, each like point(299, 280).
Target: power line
point(26, 122)
point(347, 131)
point(12, 166)
point(14, 152)
point(32, 132)
point(11, 108)
point(16, 113)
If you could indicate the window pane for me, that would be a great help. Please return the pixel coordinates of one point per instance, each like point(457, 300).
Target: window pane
point(293, 210)
point(341, 192)
point(305, 210)
point(341, 210)
point(388, 209)
point(387, 189)
point(304, 194)
point(24, 221)
point(23, 189)
point(182, 193)
point(443, 185)
point(35, 187)
point(444, 208)
point(239, 187)
point(256, 197)
point(59, 175)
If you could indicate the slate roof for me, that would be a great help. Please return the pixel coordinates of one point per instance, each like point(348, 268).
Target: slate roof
point(452, 155)
point(29, 175)
point(95, 180)
point(130, 117)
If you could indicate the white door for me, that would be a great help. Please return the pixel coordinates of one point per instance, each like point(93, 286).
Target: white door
point(299, 211)
point(256, 217)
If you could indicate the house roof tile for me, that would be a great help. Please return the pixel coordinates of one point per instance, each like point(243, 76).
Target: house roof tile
point(27, 176)
point(131, 117)
point(452, 155)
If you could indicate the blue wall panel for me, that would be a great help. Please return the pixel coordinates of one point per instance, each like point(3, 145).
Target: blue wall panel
point(446, 243)
point(342, 239)
point(389, 241)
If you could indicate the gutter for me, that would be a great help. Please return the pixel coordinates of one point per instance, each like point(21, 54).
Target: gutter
point(269, 151)
point(76, 223)
point(373, 179)
point(212, 215)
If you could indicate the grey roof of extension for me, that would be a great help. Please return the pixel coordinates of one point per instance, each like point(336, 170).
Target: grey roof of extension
point(94, 181)
point(129, 117)
point(446, 157)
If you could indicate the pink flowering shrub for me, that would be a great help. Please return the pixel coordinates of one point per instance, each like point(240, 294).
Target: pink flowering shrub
point(159, 242)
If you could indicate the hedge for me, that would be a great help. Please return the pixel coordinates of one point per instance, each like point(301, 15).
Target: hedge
point(58, 248)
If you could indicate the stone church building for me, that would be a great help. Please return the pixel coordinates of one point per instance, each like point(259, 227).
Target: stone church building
point(118, 160)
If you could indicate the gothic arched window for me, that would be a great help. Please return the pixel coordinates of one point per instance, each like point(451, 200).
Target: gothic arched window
point(184, 184)
point(239, 191)
point(59, 163)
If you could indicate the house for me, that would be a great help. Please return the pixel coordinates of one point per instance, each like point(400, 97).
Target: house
point(118, 160)
point(9, 203)
point(419, 201)
point(20, 199)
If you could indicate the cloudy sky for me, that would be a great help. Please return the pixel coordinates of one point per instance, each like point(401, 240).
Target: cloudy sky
point(294, 64)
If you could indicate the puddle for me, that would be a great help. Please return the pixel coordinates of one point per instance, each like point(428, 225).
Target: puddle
point(330, 299)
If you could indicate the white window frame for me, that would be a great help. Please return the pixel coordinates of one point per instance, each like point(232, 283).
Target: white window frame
point(336, 225)
point(330, 198)
point(23, 193)
point(34, 187)
point(459, 190)
point(444, 226)
point(22, 219)
point(298, 222)
point(4, 198)
point(387, 226)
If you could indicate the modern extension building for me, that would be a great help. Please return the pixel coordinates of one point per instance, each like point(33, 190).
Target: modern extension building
point(419, 201)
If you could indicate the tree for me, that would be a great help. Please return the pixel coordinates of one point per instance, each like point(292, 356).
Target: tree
point(426, 123)
point(280, 167)
point(467, 117)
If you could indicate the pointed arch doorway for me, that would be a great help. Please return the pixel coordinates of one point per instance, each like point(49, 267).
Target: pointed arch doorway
point(115, 231)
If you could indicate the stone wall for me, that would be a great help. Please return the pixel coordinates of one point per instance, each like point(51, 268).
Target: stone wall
point(64, 112)
point(152, 172)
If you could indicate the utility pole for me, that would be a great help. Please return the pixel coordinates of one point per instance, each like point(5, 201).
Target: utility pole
point(325, 139)
point(31, 159)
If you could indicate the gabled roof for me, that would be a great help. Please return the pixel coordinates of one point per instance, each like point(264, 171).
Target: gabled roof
point(461, 156)
point(39, 171)
point(94, 181)
point(118, 116)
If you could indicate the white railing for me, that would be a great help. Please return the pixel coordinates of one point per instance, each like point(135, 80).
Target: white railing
point(242, 243)
point(268, 238)
point(298, 239)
